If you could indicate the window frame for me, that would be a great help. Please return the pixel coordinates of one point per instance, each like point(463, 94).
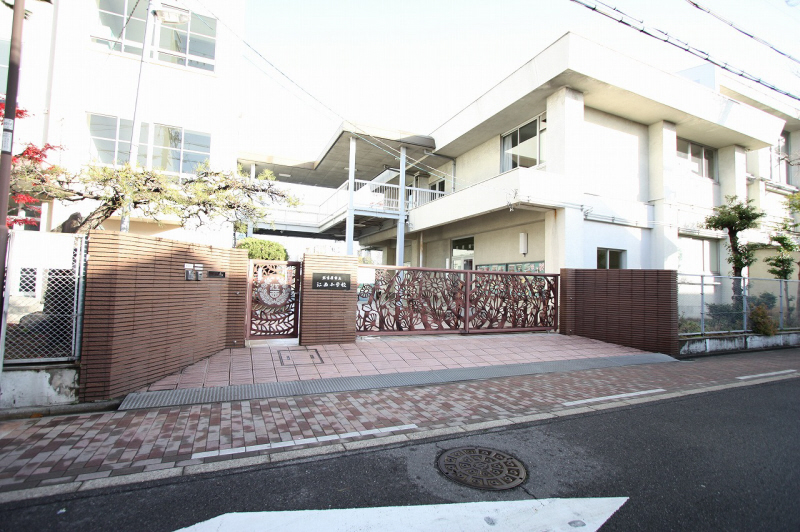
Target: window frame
point(148, 147)
point(714, 256)
point(714, 171)
point(541, 128)
point(182, 150)
point(623, 258)
point(165, 56)
point(779, 163)
point(186, 55)
point(117, 141)
point(119, 43)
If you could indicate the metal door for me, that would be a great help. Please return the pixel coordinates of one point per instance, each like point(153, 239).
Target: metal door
point(273, 302)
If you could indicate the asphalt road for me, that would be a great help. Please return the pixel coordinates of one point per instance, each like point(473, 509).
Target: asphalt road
point(719, 461)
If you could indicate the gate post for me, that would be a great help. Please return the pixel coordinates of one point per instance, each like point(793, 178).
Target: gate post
point(329, 300)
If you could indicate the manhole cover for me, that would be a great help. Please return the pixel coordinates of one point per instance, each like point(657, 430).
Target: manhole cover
point(478, 467)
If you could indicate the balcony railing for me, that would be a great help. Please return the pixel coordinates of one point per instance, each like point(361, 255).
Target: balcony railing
point(368, 196)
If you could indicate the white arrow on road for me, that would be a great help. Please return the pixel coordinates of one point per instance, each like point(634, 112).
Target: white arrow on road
point(519, 516)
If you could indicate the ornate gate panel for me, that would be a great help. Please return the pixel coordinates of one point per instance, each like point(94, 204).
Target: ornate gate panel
point(395, 300)
point(273, 302)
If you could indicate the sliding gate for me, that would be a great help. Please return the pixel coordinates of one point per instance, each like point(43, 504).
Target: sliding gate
point(394, 300)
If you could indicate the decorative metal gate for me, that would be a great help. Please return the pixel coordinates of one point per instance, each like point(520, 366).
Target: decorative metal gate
point(394, 300)
point(273, 302)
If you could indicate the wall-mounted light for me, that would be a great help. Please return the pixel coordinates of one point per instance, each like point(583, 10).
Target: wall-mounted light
point(523, 243)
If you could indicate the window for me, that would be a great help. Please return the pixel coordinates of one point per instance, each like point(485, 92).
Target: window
point(463, 250)
point(438, 186)
point(697, 159)
point(610, 259)
point(111, 140)
point(178, 150)
point(779, 161)
point(114, 33)
point(192, 43)
point(525, 145)
point(172, 149)
point(697, 255)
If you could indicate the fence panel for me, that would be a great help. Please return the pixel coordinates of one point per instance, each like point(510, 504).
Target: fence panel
point(709, 304)
point(43, 300)
point(395, 300)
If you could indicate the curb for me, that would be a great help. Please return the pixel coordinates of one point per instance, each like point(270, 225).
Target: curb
point(58, 410)
point(378, 441)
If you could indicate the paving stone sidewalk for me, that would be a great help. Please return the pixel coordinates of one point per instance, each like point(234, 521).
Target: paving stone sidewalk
point(79, 452)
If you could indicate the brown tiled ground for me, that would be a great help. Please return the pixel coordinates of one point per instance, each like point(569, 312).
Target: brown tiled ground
point(70, 449)
point(386, 354)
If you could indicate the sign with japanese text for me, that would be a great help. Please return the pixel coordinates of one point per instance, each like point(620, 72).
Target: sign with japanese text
point(330, 281)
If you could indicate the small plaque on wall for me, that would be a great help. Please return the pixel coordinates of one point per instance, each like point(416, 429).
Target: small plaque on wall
point(215, 275)
point(330, 281)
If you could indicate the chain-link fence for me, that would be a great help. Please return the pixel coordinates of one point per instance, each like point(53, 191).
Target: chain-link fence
point(712, 304)
point(44, 297)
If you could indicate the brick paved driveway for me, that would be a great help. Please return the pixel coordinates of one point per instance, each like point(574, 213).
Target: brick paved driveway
point(79, 452)
point(281, 360)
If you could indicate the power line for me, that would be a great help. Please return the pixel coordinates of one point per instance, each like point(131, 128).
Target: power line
point(743, 32)
point(416, 163)
point(669, 39)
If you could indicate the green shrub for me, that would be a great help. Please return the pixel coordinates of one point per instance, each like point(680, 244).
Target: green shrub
point(262, 249)
point(762, 322)
point(767, 299)
point(688, 325)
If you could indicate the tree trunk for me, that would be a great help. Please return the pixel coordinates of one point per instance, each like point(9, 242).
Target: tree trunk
point(96, 218)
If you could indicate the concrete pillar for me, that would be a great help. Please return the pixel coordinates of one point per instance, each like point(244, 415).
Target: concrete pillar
point(566, 142)
point(401, 223)
point(351, 190)
point(732, 169)
point(563, 239)
point(662, 164)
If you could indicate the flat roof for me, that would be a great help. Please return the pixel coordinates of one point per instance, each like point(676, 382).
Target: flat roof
point(613, 83)
point(376, 150)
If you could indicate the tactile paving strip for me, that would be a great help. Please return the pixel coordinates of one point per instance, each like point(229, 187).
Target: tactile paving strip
point(246, 392)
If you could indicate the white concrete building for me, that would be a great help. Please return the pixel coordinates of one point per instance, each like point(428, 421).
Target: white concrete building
point(79, 77)
point(581, 158)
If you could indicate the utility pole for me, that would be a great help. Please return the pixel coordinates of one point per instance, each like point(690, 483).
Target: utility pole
point(8, 142)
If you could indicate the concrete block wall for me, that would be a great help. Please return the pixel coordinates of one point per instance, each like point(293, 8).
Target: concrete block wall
point(143, 320)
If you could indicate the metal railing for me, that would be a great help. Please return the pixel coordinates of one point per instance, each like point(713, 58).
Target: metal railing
point(367, 195)
point(713, 304)
point(43, 300)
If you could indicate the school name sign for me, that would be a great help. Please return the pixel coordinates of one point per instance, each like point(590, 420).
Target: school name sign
point(330, 281)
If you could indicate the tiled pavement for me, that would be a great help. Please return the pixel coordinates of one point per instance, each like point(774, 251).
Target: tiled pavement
point(69, 453)
point(280, 361)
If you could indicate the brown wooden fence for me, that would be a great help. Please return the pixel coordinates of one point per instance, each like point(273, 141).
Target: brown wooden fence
point(635, 308)
point(143, 320)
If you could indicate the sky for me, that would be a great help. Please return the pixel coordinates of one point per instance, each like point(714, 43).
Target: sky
point(413, 64)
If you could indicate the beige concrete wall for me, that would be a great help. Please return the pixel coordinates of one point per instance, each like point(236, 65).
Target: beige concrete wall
point(478, 164)
point(617, 156)
point(496, 238)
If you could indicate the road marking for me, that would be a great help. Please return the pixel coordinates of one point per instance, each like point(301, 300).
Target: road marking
point(784, 372)
point(498, 516)
point(292, 443)
point(609, 397)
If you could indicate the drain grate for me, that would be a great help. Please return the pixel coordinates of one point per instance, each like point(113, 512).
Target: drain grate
point(482, 468)
point(300, 358)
